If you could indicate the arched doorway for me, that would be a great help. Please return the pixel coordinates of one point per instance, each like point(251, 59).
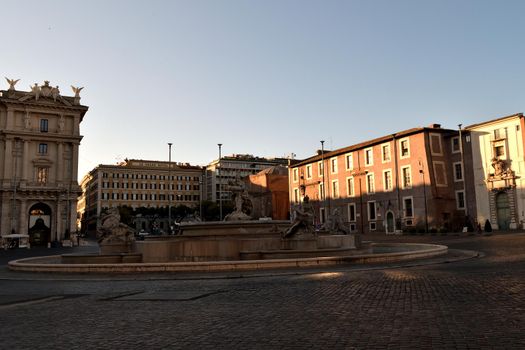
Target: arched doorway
point(39, 224)
point(503, 210)
point(390, 223)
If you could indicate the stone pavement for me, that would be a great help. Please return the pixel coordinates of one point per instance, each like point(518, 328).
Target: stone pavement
point(470, 304)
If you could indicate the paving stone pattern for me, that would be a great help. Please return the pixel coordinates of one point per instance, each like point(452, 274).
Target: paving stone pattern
point(472, 304)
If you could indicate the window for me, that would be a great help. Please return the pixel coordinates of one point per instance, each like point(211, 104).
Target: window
point(320, 169)
point(371, 211)
point(335, 189)
point(349, 161)
point(295, 174)
point(321, 191)
point(309, 171)
point(499, 151)
point(350, 187)
point(372, 226)
point(370, 188)
point(460, 200)
point(42, 148)
point(435, 144)
point(404, 148)
point(369, 156)
point(408, 208)
point(351, 212)
point(44, 125)
point(385, 153)
point(42, 175)
point(406, 177)
point(439, 173)
point(458, 172)
point(296, 195)
point(387, 180)
point(455, 145)
point(333, 165)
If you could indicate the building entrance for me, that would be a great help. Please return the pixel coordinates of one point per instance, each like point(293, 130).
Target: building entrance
point(503, 210)
point(39, 224)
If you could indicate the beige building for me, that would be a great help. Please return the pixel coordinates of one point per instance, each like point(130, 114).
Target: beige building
point(40, 136)
point(138, 183)
point(497, 171)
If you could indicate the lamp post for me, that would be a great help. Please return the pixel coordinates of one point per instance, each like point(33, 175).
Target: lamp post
point(200, 197)
point(219, 181)
point(324, 184)
point(169, 189)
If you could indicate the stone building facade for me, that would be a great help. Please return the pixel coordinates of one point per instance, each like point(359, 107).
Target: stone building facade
point(269, 192)
point(138, 183)
point(229, 168)
point(497, 188)
point(408, 181)
point(40, 138)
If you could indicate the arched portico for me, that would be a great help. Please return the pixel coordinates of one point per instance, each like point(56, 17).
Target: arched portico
point(39, 225)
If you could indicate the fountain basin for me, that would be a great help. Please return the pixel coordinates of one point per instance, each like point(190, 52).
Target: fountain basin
point(381, 253)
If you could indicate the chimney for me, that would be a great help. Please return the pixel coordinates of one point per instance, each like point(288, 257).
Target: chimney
point(435, 126)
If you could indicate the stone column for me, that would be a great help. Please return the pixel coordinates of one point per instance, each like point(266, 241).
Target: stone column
point(25, 162)
point(55, 228)
point(8, 162)
point(72, 222)
point(74, 164)
point(23, 224)
point(60, 163)
point(10, 122)
point(5, 217)
point(76, 125)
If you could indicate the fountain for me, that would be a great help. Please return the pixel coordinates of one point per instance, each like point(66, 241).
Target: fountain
point(232, 245)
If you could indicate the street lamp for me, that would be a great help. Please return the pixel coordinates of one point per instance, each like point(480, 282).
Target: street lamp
point(324, 184)
point(219, 181)
point(169, 189)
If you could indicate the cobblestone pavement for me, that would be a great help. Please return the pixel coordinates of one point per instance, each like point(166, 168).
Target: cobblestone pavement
point(471, 304)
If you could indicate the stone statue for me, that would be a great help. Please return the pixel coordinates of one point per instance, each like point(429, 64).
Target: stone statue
point(76, 90)
point(12, 83)
point(242, 200)
point(335, 223)
point(112, 230)
point(304, 219)
point(27, 121)
point(55, 92)
point(61, 123)
point(499, 166)
point(45, 90)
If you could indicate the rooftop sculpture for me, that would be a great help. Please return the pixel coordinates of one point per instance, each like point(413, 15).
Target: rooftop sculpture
point(45, 91)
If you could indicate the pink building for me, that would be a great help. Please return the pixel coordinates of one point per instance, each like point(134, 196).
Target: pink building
point(410, 181)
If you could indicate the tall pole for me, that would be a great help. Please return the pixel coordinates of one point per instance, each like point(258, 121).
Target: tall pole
point(324, 183)
point(219, 181)
point(200, 198)
point(169, 189)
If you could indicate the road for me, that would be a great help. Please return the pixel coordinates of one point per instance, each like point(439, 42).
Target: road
point(476, 303)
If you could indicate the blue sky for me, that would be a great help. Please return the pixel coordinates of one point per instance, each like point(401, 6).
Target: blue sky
point(269, 78)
